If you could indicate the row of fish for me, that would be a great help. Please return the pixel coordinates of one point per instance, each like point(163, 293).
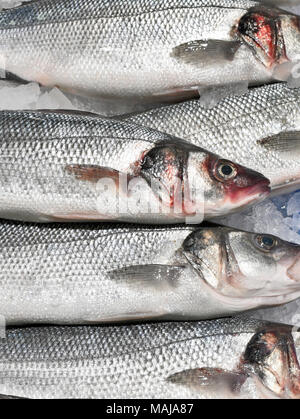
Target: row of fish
point(208, 359)
point(70, 167)
point(100, 273)
point(148, 50)
point(175, 164)
point(74, 166)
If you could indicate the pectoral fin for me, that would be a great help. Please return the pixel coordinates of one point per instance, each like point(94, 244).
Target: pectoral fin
point(148, 275)
point(4, 397)
point(287, 143)
point(205, 51)
point(92, 173)
point(209, 379)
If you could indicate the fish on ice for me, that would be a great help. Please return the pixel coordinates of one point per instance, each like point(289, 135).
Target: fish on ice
point(60, 166)
point(79, 274)
point(229, 358)
point(148, 51)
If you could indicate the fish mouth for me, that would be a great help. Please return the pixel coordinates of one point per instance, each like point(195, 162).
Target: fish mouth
point(240, 199)
point(260, 190)
point(260, 28)
point(250, 194)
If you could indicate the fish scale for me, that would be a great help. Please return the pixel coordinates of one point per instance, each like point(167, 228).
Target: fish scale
point(46, 143)
point(73, 259)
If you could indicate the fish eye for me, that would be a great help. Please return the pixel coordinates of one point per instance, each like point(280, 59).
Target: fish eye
point(225, 171)
point(265, 242)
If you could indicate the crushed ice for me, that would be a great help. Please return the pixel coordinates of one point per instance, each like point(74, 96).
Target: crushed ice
point(279, 216)
point(14, 96)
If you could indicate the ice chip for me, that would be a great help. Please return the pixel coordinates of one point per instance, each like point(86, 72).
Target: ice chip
point(15, 97)
point(211, 96)
point(293, 205)
point(287, 313)
point(53, 99)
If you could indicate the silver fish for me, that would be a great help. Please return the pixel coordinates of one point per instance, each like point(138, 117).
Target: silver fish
point(67, 166)
point(98, 273)
point(210, 359)
point(260, 128)
point(147, 50)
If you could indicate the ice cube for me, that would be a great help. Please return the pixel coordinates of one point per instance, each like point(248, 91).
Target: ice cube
point(211, 96)
point(20, 96)
point(293, 205)
point(53, 99)
point(288, 313)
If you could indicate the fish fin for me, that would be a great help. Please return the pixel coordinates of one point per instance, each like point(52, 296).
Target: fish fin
point(129, 317)
point(148, 275)
point(195, 52)
point(7, 397)
point(92, 173)
point(78, 216)
point(211, 379)
point(286, 142)
point(74, 112)
point(12, 77)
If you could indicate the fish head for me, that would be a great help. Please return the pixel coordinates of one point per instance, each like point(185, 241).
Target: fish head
point(273, 35)
point(227, 186)
point(190, 180)
point(245, 270)
point(271, 358)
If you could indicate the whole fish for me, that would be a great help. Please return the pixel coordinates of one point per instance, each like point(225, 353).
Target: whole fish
point(147, 49)
point(260, 128)
point(67, 166)
point(230, 358)
point(98, 273)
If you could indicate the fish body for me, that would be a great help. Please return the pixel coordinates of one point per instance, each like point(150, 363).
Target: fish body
point(98, 273)
point(210, 359)
point(64, 166)
point(260, 128)
point(145, 50)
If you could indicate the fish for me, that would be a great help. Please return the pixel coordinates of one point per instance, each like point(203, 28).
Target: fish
point(260, 128)
point(228, 358)
point(101, 273)
point(68, 166)
point(147, 50)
